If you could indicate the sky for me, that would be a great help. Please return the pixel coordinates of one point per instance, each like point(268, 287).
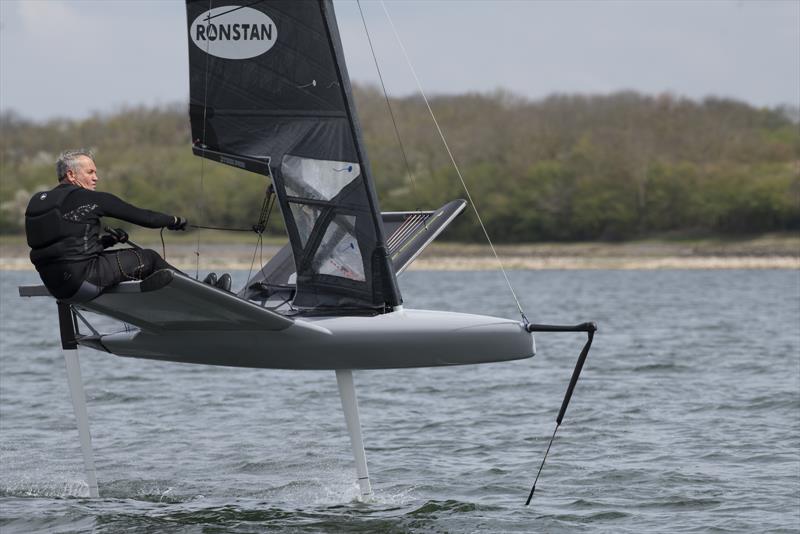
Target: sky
point(73, 58)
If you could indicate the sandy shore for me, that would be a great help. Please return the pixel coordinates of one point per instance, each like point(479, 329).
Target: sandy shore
point(781, 252)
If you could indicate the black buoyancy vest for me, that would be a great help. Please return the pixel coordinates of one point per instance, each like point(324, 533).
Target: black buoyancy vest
point(55, 237)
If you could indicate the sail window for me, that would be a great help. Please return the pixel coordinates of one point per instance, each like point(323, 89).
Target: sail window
point(338, 253)
point(317, 179)
point(305, 216)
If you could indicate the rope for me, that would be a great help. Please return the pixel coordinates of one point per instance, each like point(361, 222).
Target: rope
point(266, 211)
point(391, 111)
point(253, 261)
point(258, 228)
point(455, 165)
point(224, 228)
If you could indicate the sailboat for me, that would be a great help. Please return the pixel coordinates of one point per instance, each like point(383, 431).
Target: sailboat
point(270, 95)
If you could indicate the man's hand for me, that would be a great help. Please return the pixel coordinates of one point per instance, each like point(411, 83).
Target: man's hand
point(114, 236)
point(179, 224)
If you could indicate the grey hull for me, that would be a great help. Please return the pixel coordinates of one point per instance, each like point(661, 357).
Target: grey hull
point(182, 320)
point(407, 338)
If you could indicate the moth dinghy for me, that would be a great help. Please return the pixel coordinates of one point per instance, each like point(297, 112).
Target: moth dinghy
point(270, 94)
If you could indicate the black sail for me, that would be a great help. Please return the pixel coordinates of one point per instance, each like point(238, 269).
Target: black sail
point(270, 94)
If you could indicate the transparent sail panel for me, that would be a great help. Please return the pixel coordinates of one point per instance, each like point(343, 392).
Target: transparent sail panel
point(338, 254)
point(304, 216)
point(316, 178)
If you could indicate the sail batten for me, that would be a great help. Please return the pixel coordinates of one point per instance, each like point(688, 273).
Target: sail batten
point(277, 113)
point(270, 94)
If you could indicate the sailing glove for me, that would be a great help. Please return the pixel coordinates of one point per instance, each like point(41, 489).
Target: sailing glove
point(114, 236)
point(179, 224)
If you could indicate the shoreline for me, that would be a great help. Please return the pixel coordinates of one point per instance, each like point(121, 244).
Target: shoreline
point(781, 253)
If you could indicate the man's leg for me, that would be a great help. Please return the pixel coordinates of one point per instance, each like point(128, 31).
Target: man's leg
point(138, 264)
point(154, 262)
point(117, 266)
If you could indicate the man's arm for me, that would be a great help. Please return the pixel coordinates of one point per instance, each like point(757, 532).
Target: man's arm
point(113, 206)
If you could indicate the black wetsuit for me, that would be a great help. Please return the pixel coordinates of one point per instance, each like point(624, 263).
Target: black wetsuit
point(63, 230)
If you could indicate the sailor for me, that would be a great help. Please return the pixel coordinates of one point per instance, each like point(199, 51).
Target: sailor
point(63, 230)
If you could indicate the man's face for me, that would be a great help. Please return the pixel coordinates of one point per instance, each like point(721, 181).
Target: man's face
point(86, 174)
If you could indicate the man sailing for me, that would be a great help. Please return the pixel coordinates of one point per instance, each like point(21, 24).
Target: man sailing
point(63, 230)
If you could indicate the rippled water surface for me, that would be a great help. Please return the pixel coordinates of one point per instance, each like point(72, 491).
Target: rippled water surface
point(687, 418)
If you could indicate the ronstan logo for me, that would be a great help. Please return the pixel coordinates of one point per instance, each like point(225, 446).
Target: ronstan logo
point(233, 32)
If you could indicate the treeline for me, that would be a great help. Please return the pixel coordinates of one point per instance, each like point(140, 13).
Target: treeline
point(563, 168)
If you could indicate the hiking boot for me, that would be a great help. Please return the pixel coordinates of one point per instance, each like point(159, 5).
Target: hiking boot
point(224, 282)
point(211, 279)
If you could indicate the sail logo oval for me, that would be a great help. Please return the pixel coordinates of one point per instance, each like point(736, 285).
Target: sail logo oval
point(234, 32)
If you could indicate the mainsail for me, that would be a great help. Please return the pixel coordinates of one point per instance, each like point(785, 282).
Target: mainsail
point(270, 94)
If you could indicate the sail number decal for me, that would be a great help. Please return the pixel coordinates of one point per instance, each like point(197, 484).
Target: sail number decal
point(233, 32)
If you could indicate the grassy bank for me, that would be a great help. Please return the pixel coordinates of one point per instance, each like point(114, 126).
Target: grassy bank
point(618, 166)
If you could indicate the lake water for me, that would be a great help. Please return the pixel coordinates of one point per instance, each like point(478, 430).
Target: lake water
point(686, 419)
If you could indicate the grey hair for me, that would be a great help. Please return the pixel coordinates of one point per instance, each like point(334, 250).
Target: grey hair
point(68, 161)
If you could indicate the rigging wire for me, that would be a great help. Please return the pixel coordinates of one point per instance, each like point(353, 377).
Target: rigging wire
point(201, 199)
point(389, 105)
point(455, 165)
point(254, 2)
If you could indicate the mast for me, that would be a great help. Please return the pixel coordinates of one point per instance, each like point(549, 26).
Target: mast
point(393, 298)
